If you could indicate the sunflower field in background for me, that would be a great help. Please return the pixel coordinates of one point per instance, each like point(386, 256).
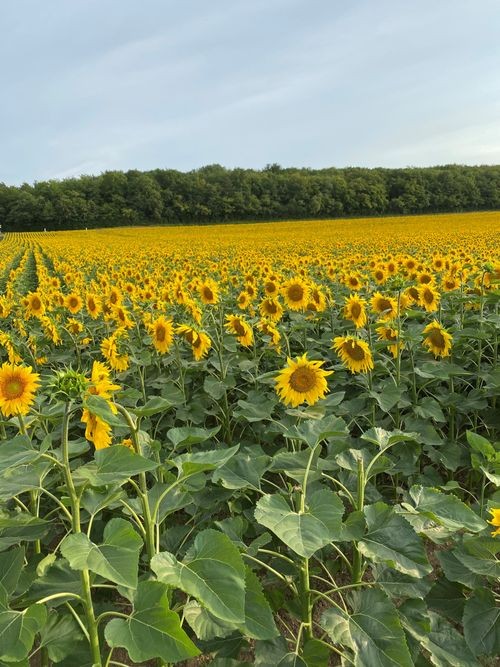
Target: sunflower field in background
point(257, 444)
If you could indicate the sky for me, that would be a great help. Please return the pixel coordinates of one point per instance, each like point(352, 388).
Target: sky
point(93, 85)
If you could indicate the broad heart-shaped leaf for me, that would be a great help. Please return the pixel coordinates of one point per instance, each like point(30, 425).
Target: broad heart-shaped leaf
point(113, 465)
point(185, 436)
point(212, 572)
point(14, 481)
point(373, 630)
point(259, 621)
point(117, 559)
point(481, 621)
point(305, 532)
point(152, 407)
point(384, 439)
point(59, 635)
point(244, 470)
point(18, 630)
point(391, 540)
point(152, 629)
point(11, 564)
point(437, 636)
point(314, 431)
point(190, 464)
point(479, 555)
point(21, 527)
point(482, 449)
point(16, 452)
point(445, 509)
point(204, 624)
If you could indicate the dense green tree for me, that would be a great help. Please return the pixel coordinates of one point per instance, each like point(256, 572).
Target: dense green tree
point(216, 194)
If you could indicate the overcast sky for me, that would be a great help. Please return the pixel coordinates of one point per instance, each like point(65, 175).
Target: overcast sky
point(91, 85)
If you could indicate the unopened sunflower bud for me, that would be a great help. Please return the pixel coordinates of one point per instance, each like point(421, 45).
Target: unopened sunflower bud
point(69, 385)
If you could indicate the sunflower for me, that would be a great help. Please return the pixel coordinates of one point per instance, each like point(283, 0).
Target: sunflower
point(271, 287)
point(390, 335)
point(162, 332)
point(34, 305)
point(429, 298)
point(450, 283)
point(380, 275)
point(317, 300)
point(74, 326)
point(495, 521)
point(296, 294)
point(241, 329)
point(354, 353)
point(73, 303)
point(209, 292)
point(200, 342)
point(302, 381)
point(268, 328)
point(243, 300)
point(354, 310)
point(93, 305)
point(17, 387)
point(438, 341)
point(353, 281)
point(385, 306)
point(109, 348)
point(412, 294)
point(271, 308)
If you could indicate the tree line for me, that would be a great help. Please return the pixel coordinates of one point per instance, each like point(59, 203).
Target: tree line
point(216, 194)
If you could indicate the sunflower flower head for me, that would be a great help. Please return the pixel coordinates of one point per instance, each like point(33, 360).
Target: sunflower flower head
point(302, 381)
point(495, 521)
point(354, 353)
point(17, 389)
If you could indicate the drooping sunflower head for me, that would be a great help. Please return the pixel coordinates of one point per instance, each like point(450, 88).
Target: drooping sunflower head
point(17, 389)
point(241, 329)
point(438, 340)
point(385, 306)
point(429, 298)
point(354, 310)
point(209, 292)
point(302, 381)
point(354, 353)
point(93, 304)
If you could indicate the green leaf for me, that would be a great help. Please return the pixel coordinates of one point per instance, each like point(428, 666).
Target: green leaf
point(11, 565)
point(445, 509)
point(482, 450)
point(204, 624)
point(114, 465)
point(244, 470)
point(212, 571)
point(259, 622)
point(391, 540)
point(59, 578)
point(152, 407)
point(447, 598)
point(479, 555)
point(99, 406)
point(18, 630)
point(385, 439)
point(117, 559)
point(316, 654)
point(454, 570)
point(21, 527)
point(314, 431)
point(398, 585)
point(428, 407)
point(389, 396)
point(481, 622)
point(373, 631)
point(304, 532)
point(59, 635)
point(190, 464)
point(17, 452)
point(185, 436)
point(436, 635)
point(14, 481)
point(152, 629)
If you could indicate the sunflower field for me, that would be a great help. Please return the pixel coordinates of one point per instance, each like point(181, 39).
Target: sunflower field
point(257, 444)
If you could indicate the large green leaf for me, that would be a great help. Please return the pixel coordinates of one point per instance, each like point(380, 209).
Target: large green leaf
point(59, 635)
point(18, 630)
point(185, 436)
point(391, 540)
point(479, 555)
point(481, 622)
point(447, 598)
point(212, 571)
point(11, 564)
point(21, 527)
point(190, 464)
point(385, 439)
point(259, 621)
point(373, 630)
point(14, 481)
point(314, 431)
point(434, 634)
point(304, 532)
point(445, 509)
point(152, 629)
point(153, 406)
point(114, 465)
point(16, 452)
point(204, 624)
point(244, 470)
point(117, 559)
point(99, 406)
